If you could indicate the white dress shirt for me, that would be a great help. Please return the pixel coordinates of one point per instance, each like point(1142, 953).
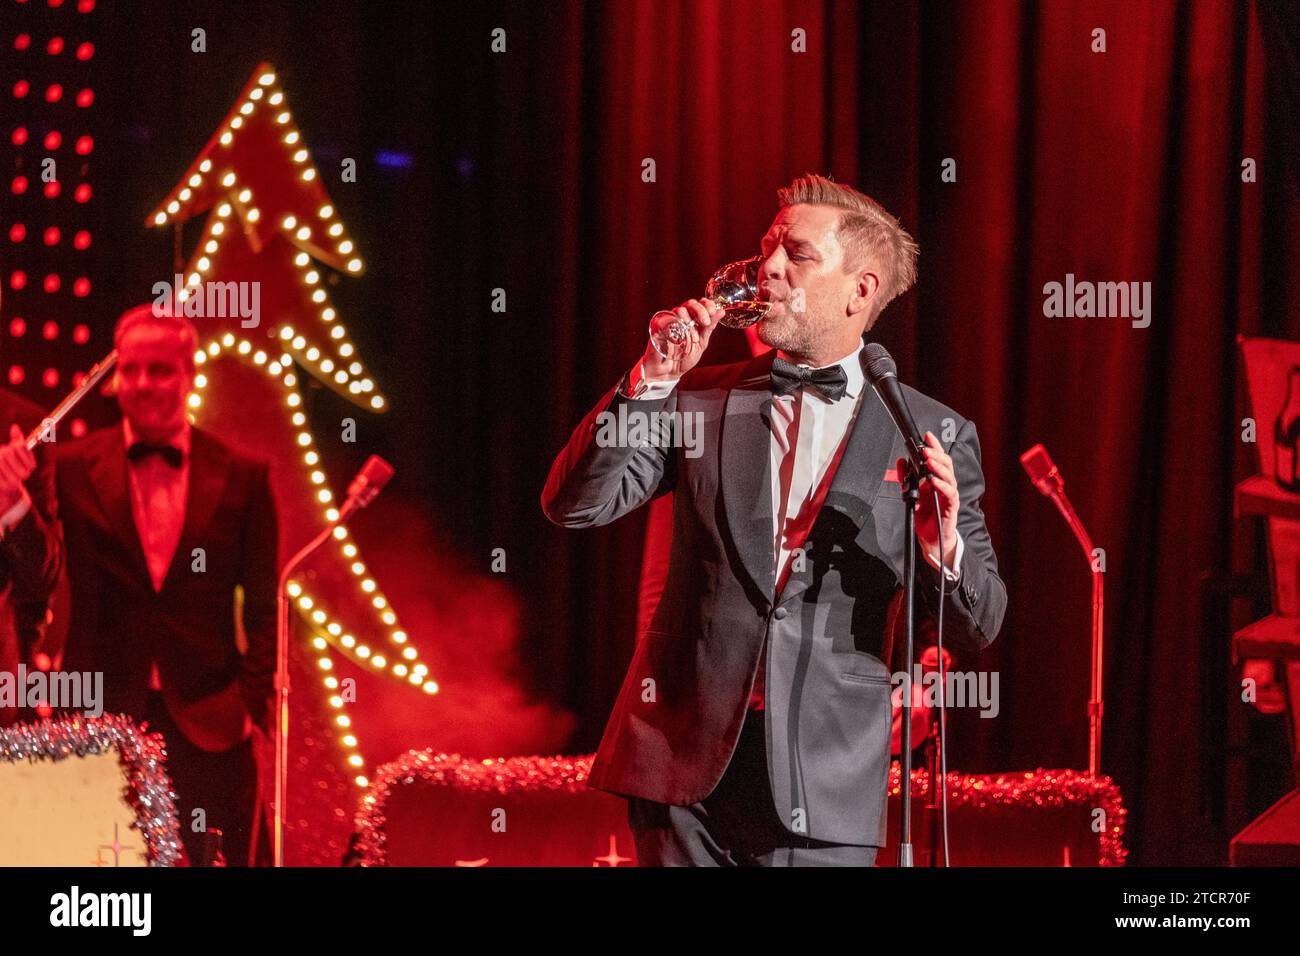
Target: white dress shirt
point(159, 495)
point(158, 500)
point(808, 440)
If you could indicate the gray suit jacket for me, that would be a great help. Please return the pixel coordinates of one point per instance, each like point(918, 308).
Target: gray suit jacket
point(829, 633)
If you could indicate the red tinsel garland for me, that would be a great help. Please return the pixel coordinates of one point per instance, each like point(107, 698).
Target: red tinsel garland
point(1052, 788)
point(522, 774)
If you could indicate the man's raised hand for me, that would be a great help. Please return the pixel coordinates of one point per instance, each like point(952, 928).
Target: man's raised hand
point(703, 316)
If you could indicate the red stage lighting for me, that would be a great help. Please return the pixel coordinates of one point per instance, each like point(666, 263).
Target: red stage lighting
point(17, 232)
point(81, 240)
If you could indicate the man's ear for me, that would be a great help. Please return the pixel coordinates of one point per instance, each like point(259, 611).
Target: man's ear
point(864, 291)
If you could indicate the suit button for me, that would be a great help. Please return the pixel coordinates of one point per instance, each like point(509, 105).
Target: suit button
point(779, 614)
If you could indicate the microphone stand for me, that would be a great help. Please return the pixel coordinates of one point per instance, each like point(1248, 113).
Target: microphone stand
point(372, 477)
point(1046, 477)
point(283, 619)
point(1095, 705)
point(933, 769)
point(911, 494)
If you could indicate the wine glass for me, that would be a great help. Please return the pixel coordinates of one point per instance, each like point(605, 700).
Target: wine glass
point(734, 287)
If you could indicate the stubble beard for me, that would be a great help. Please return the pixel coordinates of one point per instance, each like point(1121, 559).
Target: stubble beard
point(795, 335)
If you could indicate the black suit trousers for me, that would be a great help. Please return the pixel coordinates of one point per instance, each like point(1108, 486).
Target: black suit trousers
point(223, 785)
point(735, 825)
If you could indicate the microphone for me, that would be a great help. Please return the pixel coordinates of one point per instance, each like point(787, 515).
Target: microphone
point(878, 365)
point(1042, 471)
point(370, 480)
point(882, 373)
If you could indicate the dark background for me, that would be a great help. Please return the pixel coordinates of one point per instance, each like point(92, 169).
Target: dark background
point(522, 171)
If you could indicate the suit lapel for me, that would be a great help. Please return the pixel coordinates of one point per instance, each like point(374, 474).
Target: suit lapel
point(866, 459)
point(108, 477)
point(745, 463)
point(856, 482)
point(209, 467)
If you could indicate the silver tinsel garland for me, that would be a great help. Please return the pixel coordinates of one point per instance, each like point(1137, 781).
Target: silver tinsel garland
point(143, 759)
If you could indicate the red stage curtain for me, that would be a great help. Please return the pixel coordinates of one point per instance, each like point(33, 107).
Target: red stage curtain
point(1115, 166)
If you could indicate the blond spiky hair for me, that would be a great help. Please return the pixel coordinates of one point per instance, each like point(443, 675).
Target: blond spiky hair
point(867, 231)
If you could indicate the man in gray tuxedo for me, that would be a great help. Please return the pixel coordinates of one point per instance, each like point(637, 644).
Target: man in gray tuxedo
point(753, 727)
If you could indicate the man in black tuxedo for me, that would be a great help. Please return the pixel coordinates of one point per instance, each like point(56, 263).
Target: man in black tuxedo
point(166, 527)
point(31, 549)
point(753, 727)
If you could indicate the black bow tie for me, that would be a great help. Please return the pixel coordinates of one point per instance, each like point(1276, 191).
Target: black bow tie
point(831, 382)
point(168, 453)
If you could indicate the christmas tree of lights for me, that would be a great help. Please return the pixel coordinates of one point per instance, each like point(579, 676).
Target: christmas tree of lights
point(272, 228)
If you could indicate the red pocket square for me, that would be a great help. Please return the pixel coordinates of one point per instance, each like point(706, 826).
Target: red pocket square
point(892, 475)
